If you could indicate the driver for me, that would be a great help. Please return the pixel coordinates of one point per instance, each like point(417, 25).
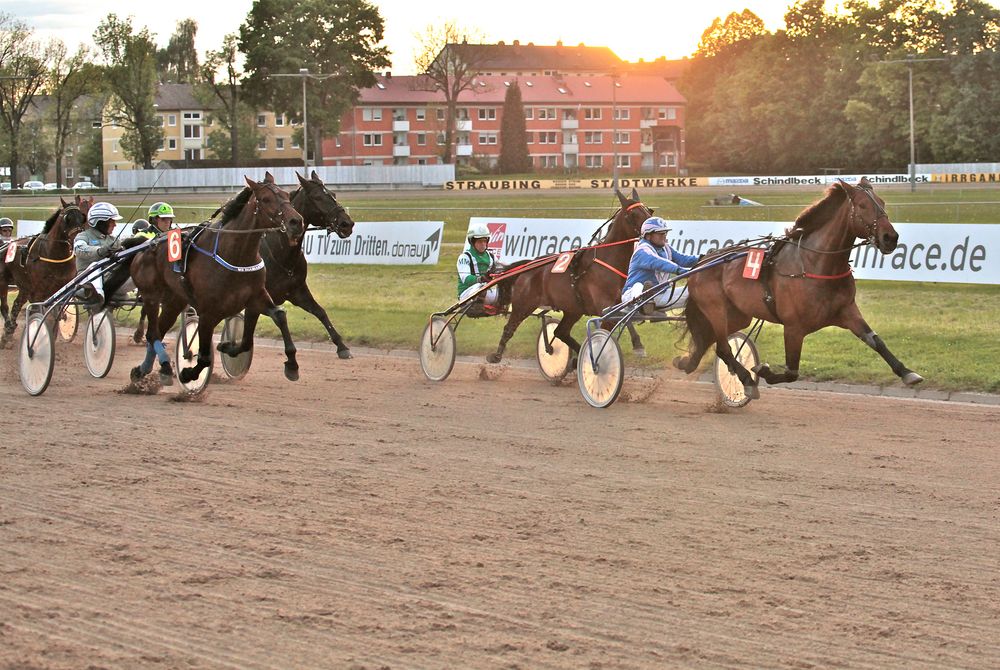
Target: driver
point(474, 267)
point(6, 229)
point(93, 244)
point(161, 217)
point(652, 263)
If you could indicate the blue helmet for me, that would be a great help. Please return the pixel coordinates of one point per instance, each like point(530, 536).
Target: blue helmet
point(654, 224)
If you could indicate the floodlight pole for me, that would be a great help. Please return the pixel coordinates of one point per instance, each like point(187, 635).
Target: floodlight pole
point(304, 74)
point(910, 60)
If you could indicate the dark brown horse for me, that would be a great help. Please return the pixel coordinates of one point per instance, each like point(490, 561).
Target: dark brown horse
point(46, 263)
point(224, 274)
point(286, 262)
point(810, 282)
point(592, 283)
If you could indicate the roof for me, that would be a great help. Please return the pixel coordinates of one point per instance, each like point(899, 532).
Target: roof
point(671, 70)
point(520, 57)
point(177, 96)
point(491, 89)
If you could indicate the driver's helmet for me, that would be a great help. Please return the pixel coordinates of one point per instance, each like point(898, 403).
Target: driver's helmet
point(6, 224)
point(478, 231)
point(102, 211)
point(654, 224)
point(160, 209)
point(141, 226)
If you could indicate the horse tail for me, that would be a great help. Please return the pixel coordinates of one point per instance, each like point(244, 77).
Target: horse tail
point(698, 327)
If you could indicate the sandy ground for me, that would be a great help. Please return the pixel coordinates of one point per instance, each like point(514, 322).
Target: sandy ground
point(366, 518)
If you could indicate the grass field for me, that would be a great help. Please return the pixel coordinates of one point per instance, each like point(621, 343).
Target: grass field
point(946, 332)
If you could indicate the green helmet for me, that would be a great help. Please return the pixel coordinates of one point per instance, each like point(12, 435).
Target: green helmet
point(160, 209)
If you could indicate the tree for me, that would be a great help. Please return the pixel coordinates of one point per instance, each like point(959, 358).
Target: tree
point(734, 29)
point(178, 62)
point(23, 65)
point(91, 157)
point(225, 91)
point(36, 147)
point(221, 146)
point(448, 67)
point(336, 38)
point(514, 156)
point(130, 73)
point(69, 79)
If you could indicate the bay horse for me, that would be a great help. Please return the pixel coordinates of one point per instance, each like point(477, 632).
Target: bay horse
point(46, 263)
point(223, 275)
point(286, 261)
point(592, 283)
point(810, 282)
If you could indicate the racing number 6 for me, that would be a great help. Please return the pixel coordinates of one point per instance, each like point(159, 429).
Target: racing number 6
point(173, 245)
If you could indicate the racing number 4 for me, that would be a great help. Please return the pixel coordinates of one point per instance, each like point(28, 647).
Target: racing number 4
point(173, 245)
point(751, 268)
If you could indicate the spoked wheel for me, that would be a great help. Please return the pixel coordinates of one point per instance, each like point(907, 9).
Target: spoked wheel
point(68, 322)
point(600, 369)
point(437, 350)
point(99, 343)
point(235, 367)
point(555, 365)
point(36, 355)
point(187, 354)
point(730, 387)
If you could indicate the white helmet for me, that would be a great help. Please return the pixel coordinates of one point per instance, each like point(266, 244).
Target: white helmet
point(477, 231)
point(102, 211)
point(654, 224)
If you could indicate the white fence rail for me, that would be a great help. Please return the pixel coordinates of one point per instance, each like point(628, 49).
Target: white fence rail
point(388, 176)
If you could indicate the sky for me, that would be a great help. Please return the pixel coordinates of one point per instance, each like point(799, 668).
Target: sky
point(638, 29)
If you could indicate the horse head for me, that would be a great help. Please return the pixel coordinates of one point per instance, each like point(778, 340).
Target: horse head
point(869, 219)
point(322, 209)
point(72, 217)
point(275, 208)
point(631, 216)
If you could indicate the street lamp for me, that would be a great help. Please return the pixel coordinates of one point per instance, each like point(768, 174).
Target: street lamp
point(910, 60)
point(304, 74)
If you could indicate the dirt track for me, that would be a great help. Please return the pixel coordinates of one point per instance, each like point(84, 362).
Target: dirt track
point(366, 518)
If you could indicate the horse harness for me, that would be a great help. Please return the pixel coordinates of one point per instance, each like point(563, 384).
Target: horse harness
point(574, 267)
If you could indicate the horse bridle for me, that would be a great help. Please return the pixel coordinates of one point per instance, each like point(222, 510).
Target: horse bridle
point(280, 219)
point(880, 213)
point(69, 233)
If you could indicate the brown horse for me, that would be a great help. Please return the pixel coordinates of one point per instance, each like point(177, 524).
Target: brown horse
point(810, 282)
point(592, 283)
point(46, 264)
point(223, 275)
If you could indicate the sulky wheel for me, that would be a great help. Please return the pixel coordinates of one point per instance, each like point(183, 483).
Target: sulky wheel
point(99, 343)
point(600, 369)
point(36, 355)
point(235, 367)
point(437, 350)
point(730, 387)
point(555, 364)
point(187, 354)
point(68, 322)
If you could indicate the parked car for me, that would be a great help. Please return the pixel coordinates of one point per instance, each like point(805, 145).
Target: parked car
point(52, 186)
point(5, 186)
point(33, 185)
point(84, 185)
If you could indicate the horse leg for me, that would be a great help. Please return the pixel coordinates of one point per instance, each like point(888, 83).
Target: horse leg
point(637, 347)
point(855, 323)
point(4, 312)
point(793, 353)
point(280, 319)
point(11, 324)
point(303, 298)
point(206, 326)
point(137, 335)
point(513, 321)
point(233, 349)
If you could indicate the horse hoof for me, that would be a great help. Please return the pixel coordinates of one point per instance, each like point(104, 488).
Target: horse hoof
point(291, 374)
point(752, 391)
point(135, 374)
point(912, 378)
point(639, 352)
point(344, 354)
point(227, 348)
point(493, 358)
point(187, 375)
point(679, 362)
point(138, 338)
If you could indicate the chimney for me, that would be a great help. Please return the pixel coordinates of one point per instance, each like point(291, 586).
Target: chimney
point(517, 43)
point(388, 75)
point(559, 43)
point(500, 43)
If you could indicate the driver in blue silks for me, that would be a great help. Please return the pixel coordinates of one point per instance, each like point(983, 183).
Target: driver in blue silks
point(653, 261)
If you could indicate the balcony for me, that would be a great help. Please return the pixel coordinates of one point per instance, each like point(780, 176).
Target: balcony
point(400, 150)
point(647, 123)
point(463, 125)
point(646, 148)
point(570, 124)
point(463, 149)
point(401, 126)
point(571, 148)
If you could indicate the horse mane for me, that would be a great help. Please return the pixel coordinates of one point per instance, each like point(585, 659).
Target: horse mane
point(232, 209)
point(51, 221)
point(817, 213)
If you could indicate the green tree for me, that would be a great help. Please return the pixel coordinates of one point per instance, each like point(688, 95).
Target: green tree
point(178, 61)
point(69, 79)
point(130, 74)
point(336, 38)
point(220, 88)
point(734, 29)
point(514, 156)
point(23, 65)
point(36, 147)
point(91, 158)
point(221, 146)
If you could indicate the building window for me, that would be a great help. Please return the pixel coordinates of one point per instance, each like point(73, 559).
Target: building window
point(441, 114)
point(421, 161)
point(279, 120)
point(192, 132)
point(295, 143)
point(529, 137)
point(114, 147)
point(569, 138)
point(624, 161)
point(373, 140)
point(279, 143)
point(440, 138)
point(69, 173)
point(487, 138)
point(171, 119)
point(668, 113)
point(529, 113)
point(592, 113)
point(621, 114)
point(336, 141)
point(262, 144)
point(160, 121)
point(261, 120)
point(622, 138)
point(545, 113)
point(593, 137)
point(593, 162)
point(172, 143)
point(371, 114)
point(547, 138)
point(97, 124)
point(192, 154)
point(399, 114)
point(548, 161)
point(569, 115)
point(192, 116)
point(421, 114)
point(487, 114)
point(421, 139)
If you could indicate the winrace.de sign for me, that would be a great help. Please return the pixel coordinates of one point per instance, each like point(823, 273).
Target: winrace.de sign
point(378, 243)
point(933, 252)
